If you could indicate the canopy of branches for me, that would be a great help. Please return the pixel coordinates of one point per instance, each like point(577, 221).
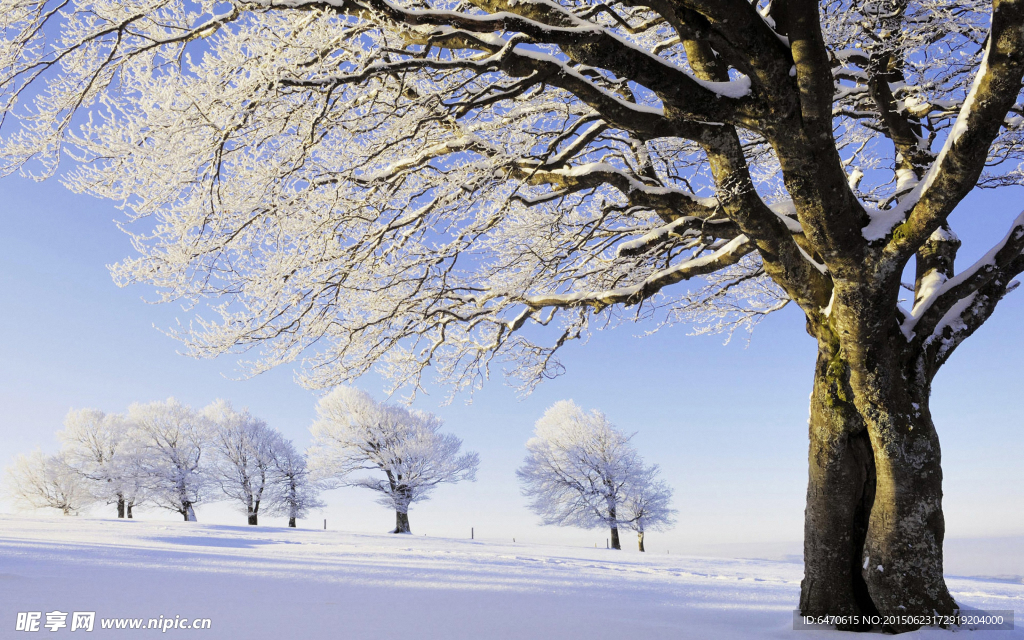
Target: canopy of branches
point(415, 182)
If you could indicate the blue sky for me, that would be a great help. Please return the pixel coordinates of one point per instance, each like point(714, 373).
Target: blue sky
point(727, 423)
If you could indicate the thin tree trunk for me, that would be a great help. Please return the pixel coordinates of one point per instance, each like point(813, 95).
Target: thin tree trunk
point(640, 540)
point(615, 528)
point(128, 508)
point(120, 506)
point(291, 522)
point(401, 523)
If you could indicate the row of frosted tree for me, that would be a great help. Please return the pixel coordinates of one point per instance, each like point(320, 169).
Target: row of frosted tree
point(580, 470)
point(167, 455)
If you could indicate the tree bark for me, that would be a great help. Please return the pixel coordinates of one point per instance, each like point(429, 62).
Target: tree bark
point(120, 506)
point(188, 512)
point(840, 492)
point(128, 507)
point(612, 518)
point(401, 523)
point(903, 548)
point(253, 519)
point(291, 522)
point(873, 525)
point(640, 540)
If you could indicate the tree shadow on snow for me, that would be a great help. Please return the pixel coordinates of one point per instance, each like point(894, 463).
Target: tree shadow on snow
point(194, 541)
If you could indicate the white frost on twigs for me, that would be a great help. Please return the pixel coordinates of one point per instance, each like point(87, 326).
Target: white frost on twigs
point(403, 450)
point(581, 471)
point(382, 185)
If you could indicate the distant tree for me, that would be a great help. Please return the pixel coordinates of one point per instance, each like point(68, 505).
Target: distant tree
point(103, 450)
point(243, 448)
point(133, 472)
point(353, 433)
point(578, 468)
point(645, 503)
point(172, 440)
point(295, 492)
point(38, 481)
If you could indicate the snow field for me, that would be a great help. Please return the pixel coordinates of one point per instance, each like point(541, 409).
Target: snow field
point(275, 583)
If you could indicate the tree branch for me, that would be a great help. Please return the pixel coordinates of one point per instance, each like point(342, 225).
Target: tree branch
point(729, 253)
point(987, 279)
point(962, 159)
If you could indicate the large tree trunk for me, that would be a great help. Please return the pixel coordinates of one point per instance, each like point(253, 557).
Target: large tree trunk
point(253, 518)
point(903, 548)
point(840, 492)
point(615, 538)
point(401, 522)
point(873, 524)
point(640, 540)
point(128, 507)
point(291, 522)
point(188, 512)
point(120, 506)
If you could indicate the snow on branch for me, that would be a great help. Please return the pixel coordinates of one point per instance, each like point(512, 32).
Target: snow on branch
point(943, 303)
point(434, 187)
point(960, 162)
point(729, 253)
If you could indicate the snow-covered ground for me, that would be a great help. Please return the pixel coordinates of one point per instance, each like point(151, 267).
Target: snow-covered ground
point(275, 583)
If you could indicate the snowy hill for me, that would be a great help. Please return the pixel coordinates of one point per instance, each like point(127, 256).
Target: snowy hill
point(256, 583)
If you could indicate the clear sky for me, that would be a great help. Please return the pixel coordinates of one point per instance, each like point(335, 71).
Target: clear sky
point(727, 423)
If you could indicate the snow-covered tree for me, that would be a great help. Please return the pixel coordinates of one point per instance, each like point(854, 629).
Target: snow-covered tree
point(102, 448)
point(577, 468)
point(354, 433)
point(173, 439)
point(244, 450)
point(646, 503)
point(38, 481)
point(295, 492)
point(414, 183)
point(133, 478)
